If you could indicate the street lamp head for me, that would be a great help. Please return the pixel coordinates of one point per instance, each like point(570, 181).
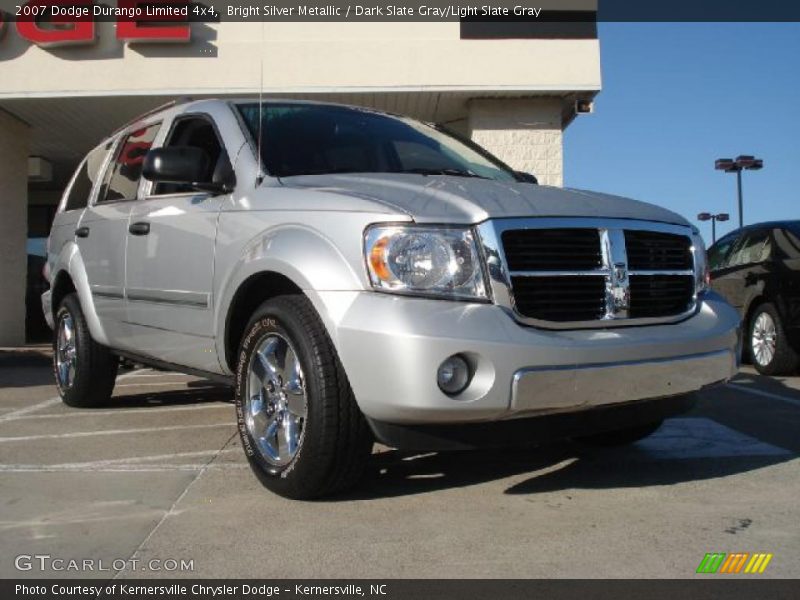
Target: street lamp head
point(704, 217)
point(726, 164)
point(723, 217)
point(751, 163)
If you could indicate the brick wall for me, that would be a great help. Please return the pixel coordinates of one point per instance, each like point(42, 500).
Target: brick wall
point(525, 133)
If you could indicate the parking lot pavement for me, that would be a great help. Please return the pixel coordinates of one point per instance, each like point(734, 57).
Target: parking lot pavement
point(160, 475)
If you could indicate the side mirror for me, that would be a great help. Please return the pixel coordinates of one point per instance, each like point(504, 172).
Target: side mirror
point(189, 166)
point(524, 177)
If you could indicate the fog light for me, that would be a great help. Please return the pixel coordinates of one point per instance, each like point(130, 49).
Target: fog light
point(453, 375)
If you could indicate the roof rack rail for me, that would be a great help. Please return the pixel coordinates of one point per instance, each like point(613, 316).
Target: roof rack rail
point(166, 105)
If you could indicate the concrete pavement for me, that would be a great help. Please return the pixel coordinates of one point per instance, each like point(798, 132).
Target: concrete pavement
point(160, 476)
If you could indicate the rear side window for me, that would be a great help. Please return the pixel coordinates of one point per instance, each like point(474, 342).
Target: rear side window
point(755, 248)
point(85, 178)
point(122, 180)
point(787, 243)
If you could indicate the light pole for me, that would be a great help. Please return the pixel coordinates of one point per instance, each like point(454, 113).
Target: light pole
point(721, 217)
point(742, 162)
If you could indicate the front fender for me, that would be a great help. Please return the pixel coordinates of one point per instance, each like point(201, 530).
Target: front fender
point(303, 255)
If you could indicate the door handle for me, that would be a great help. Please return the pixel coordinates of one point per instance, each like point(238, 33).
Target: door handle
point(82, 232)
point(140, 228)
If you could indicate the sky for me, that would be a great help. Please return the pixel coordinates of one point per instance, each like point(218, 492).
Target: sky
point(677, 96)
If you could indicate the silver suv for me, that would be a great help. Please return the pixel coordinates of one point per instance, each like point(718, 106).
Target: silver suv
point(358, 275)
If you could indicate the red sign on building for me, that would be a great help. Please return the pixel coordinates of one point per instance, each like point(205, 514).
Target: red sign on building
point(51, 23)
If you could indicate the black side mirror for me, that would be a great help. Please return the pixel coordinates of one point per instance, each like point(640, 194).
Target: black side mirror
point(190, 166)
point(224, 177)
point(524, 177)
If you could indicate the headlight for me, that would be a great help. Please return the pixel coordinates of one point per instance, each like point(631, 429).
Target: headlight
point(702, 275)
point(413, 259)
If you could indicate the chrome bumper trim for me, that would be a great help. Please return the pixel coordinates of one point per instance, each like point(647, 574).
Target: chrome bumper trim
point(561, 388)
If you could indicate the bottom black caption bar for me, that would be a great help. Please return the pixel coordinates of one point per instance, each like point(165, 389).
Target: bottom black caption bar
point(429, 589)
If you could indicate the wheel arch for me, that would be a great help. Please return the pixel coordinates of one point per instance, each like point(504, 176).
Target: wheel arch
point(249, 295)
point(70, 276)
point(62, 286)
point(755, 302)
point(287, 259)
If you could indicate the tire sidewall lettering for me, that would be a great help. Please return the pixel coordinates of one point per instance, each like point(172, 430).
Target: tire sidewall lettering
point(257, 331)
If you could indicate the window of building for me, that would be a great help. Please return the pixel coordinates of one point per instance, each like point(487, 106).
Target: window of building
point(122, 179)
point(196, 132)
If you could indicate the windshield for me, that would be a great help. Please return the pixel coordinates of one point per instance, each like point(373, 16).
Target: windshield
point(310, 139)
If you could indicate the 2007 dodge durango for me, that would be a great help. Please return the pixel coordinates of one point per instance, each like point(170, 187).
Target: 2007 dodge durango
point(359, 275)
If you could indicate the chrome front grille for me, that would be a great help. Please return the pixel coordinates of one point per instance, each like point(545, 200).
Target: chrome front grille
point(571, 273)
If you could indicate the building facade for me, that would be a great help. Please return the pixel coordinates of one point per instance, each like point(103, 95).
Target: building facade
point(513, 91)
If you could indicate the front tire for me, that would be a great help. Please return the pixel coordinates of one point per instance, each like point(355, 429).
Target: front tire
point(85, 371)
point(621, 437)
point(299, 423)
point(769, 345)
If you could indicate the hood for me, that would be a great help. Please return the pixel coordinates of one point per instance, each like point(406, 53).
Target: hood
point(448, 199)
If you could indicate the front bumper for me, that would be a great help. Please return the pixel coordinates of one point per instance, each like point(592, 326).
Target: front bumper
point(391, 348)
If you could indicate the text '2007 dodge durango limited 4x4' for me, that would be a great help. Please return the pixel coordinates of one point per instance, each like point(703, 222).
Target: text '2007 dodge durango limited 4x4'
point(359, 276)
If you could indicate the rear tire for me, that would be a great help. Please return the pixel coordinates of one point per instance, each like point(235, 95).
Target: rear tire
point(85, 371)
point(768, 343)
point(300, 426)
point(621, 437)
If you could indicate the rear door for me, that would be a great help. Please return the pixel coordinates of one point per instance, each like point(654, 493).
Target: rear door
point(102, 231)
point(170, 258)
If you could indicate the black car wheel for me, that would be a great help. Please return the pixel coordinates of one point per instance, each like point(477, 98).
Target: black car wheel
point(769, 346)
point(85, 371)
point(300, 426)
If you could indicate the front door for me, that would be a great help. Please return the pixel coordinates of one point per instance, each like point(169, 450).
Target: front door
point(743, 268)
point(170, 260)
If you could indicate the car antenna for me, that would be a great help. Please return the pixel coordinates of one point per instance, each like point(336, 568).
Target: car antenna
point(260, 175)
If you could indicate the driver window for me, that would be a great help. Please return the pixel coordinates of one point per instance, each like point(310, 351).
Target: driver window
point(196, 132)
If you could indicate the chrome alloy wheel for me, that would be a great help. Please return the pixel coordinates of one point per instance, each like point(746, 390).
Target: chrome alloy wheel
point(764, 339)
point(275, 409)
point(66, 351)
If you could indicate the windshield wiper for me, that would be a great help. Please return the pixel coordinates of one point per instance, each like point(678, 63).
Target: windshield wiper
point(443, 171)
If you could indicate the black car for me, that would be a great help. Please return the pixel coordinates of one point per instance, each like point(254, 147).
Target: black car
point(757, 269)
